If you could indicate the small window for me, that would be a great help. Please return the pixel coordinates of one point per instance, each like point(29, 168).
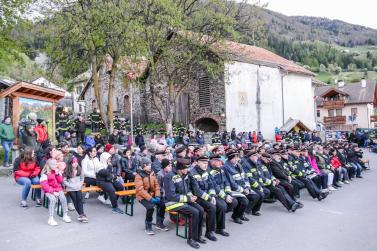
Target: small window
point(338, 112)
point(204, 92)
point(79, 90)
point(353, 111)
point(331, 113)
point(318, 113)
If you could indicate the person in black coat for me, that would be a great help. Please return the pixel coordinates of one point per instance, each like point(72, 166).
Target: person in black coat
point(139, 139)
point(114, 137)
point(80, 128)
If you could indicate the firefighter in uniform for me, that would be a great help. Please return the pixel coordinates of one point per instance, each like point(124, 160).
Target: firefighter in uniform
point(216, 138)
point(238, 183)
point(249, 165)
point(287, 164)
point(215, 207)
point(116, 122)
point(179, 198)
point(63, 125)
point(282, 174)
point(272, 184)
point(299, 172)
point(95, 118)
point(222, 188)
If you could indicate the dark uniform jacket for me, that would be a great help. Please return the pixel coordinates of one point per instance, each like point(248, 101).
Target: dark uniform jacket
point(220, 182)
point(177, 189)
point(278, 170)
point(203, 186)
point(236, 177)
point(251, 172)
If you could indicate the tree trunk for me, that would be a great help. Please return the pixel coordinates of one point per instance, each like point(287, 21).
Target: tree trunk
point(110, 112)
point(169, 124)
point(97, 85)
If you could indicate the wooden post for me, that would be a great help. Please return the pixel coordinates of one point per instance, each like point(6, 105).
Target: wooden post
point(16, 112)
point(53, 139)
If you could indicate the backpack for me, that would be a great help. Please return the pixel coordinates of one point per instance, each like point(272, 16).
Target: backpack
point(89, 141)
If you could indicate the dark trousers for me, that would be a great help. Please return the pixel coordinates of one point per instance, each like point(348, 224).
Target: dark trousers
point(311, 186)
point(321, 180)
point(221, 209)
point(210, 209)
point(195, 212)
point(76, 197)
point(110, 188)
point(297, 185)
point(95, 127)
point(281, 194)
point(288, 187)
point(255, 202)
point(129, 177)
point(240, 206)
point(149, 206)
point(90, 181)
point(81, 137)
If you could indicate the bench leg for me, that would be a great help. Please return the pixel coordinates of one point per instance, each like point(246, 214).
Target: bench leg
point(185, 236)
point(131, 213)
point(33, 194)
point(59, 209)
point(45, 201)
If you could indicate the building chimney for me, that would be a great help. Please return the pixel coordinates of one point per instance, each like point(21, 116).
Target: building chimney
point(363, 83)
point(340, 84)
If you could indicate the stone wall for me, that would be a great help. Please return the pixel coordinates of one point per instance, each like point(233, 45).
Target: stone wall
point(120, 92)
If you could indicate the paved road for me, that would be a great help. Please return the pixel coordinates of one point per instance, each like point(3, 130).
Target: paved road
point(346, 220)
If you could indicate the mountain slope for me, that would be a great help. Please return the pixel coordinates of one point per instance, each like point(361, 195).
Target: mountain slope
point(303, 28)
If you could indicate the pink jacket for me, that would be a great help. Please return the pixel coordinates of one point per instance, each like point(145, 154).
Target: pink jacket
point(313, 163)
point(51, 182)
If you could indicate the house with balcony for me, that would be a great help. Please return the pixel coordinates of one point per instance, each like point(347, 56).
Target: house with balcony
point(345, 107)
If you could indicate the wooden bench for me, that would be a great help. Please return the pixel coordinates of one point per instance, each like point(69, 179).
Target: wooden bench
point(186, 217)
point(33, 188)
point(129, 184)
point(131, 194)
point(91, 189)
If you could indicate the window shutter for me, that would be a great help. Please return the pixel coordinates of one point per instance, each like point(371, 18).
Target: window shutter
point(204, 92)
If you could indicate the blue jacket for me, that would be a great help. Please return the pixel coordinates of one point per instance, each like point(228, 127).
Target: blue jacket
point(156, 166)
point(236, 177)
point(177, 189)
point(251, 173)
point(220, 182)
point(202, 184)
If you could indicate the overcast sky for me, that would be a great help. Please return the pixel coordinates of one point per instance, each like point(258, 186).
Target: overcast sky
point(362, 12)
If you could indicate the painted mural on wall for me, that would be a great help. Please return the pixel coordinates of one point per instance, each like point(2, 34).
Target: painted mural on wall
point(42, 109)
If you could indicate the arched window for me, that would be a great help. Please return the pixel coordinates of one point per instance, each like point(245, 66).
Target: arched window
point(127, 104)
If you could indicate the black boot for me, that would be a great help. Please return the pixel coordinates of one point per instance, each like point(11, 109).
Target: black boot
point(193, 244)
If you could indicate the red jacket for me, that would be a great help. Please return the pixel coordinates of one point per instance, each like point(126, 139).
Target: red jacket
point(255, 138)
point(27, 170)
point(335, 162)
point(41, 132)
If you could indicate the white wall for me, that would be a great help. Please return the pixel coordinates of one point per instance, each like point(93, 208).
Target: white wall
point(242, 78)
point(299, 99)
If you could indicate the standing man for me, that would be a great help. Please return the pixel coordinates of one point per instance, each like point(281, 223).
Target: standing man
point(95, 118)
point(80, 128)
point(63, 125)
